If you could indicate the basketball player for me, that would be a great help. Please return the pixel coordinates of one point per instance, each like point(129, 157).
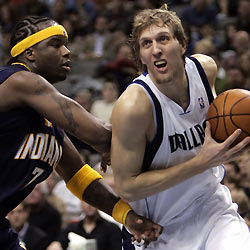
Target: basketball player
point(32, 143)
point(170, 170)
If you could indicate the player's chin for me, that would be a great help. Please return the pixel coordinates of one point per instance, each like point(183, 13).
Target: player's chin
point(63, 74)
point(58, 78)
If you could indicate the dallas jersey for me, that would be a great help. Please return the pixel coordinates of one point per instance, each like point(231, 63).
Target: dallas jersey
point(179, 137)
point(30, 148)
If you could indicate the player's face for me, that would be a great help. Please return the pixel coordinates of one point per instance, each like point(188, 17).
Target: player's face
point(52, 58)
point(161, 53)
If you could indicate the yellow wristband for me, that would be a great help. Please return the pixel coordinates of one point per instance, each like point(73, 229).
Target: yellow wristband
point(120, 211)
point(81, 180)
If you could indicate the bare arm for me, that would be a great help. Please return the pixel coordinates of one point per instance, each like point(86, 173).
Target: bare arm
point(29, 89)
point(98, 194)
point(130, 125)
point(101, 196)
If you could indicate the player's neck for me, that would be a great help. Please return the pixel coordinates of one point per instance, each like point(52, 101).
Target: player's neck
point(175, 88)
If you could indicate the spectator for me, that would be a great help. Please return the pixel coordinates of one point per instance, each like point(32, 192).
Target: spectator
point(59, 10)
point(93, 226)
point(244, 166)
point(122, 67)
point(84, 96)
point(234, 78)
point(243, 17)
point(245, 66)
point(95, 44)
point(103, 107)
point(227, 8)
point(118, 39)
point(204, 46)
point(229, 32)
point(200, 12)
point(47, 187)
point(241, 42)
point(35, 7)
point(208, 31)
point(42, 214)
point(31, 236)
point(120, 16)
point(72, 203)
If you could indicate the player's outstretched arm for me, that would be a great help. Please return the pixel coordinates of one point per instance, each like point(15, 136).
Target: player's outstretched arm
point(87, 185)
point(27, 89)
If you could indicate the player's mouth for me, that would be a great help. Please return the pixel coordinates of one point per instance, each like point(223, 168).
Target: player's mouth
point(161, 64)
point(66, 65)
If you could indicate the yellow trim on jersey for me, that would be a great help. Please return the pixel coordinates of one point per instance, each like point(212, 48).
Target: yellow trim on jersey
point(81, 180)
point(36, 38)
point(21, 245)
point(48, 123)
point(18, 63)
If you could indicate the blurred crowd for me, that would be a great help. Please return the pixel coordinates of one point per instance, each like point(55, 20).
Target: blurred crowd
point(101, 69)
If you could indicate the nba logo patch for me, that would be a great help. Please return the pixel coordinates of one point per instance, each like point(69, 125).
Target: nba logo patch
point(201, 102)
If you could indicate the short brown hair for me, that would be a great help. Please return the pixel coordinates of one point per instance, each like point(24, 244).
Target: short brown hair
point(161, 16)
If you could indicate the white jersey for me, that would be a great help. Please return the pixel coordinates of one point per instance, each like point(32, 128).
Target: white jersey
point(179, 137)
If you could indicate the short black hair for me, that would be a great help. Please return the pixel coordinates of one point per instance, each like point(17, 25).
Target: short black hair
point(27, 27)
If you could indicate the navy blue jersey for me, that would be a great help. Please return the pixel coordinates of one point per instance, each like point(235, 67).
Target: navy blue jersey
point(30, 148)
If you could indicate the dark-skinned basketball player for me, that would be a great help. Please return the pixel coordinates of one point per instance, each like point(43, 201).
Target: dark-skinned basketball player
point(33, 115)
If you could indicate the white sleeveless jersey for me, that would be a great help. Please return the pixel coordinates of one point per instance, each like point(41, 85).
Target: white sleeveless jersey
point(179, 137)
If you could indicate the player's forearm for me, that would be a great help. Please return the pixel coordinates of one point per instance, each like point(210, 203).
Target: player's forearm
point(91, 130)
point(101, 196)
point(77, 121)
point(151, 182)
point(102, 141)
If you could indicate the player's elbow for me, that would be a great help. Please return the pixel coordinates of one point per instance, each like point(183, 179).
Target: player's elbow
point(126, 193)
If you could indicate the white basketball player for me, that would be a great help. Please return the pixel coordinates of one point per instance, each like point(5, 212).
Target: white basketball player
point(164, 160)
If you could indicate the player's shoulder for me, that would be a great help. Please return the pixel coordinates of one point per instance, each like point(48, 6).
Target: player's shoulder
point(21, 80)
point(133, 98)
point(133, 104)
point(209, 66)
point(24, 77)
point(207, 62)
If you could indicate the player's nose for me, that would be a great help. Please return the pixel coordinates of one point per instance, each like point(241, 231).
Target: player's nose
point(156, 49)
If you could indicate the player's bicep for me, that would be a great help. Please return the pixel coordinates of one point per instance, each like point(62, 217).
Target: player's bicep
point(33, 91)
point(43, 97)
point(128, 143)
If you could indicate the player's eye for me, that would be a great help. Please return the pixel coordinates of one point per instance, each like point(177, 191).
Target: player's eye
point(163, 38)
point(145, 44)
point(56, 44)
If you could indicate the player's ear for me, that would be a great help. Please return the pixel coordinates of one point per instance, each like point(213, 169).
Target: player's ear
point(29, 54)
point(183, 49)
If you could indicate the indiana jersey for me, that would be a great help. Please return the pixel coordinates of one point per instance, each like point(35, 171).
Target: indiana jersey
point(179, 137)
point(30, 148)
